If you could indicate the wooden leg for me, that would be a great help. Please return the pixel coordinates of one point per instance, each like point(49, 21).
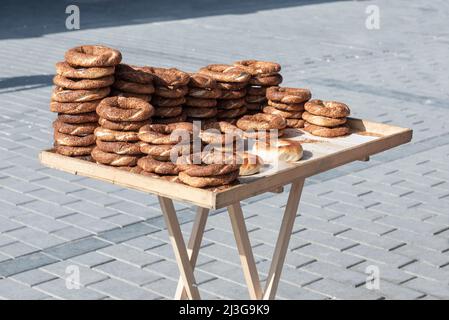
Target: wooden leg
point(179, 248)
point(283, 239)
point(193, 247)
point(245, 251)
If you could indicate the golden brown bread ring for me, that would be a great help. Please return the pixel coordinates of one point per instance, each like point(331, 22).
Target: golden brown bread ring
point(323, 121)
point(261, 121)
point(118, 93)
point(256, 67)
point(198, 80)
point(231, 104)
point(205, 93)
point(263, 134)
point(168, 112)
point(113, 159)
point(251, 164)
point(133, 87)
point(253, 107)
point(283, 113)
point(287, 107)
point(326, 132)
point(150, 164)
point(82, 84)
point(212, 181)
point(255, 99)
point(195, 112)
point(66, 70)
point(200, 102)
point(167, 102)
point(113, 135)
point(233, 94)
point(220, 132)
point(134, 74)
point(282, 149)
point(93, 56)
point(256, 91)
point(232, 113)
point(167, 92)
point(266, 80)
point(87, 117)
point(62, 95)
point(164, 152)
point(331, 109)
point(225, 73)
point(73, 151)
point(81, 129)
point(295, 123)
point(231, 85)
point(288, 95)
point(119, 147)
point(122, 125)
point(125, 109)
point(162, 134)
point(168, 77)
point(135, 169)
point(181, 118)
point(74, 107)
point(73, 141)
point(206, 170)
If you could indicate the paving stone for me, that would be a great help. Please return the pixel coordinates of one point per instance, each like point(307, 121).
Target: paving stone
point(35, 238)
point(336, 290)
point(128, 232)
point(88, 223)
point(41, 222)
point(33, 277)
point(127, 272)
point(118, 289)
point(329, 255)
point(64, 269)
point(58, 289)
point(428, 286)
point(12, 290)
point(76, 248)
point(129, 255)
point(17, 249)
point(24, 263)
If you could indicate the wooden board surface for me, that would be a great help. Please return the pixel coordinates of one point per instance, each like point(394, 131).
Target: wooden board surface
point(320, 154)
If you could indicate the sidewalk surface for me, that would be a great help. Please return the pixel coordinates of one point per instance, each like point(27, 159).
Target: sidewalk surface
point(390, 214)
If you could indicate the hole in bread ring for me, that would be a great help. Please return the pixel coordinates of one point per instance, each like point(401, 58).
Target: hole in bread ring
point(66, 70)
point(331, 109)
point(125, 109)
point(132, 73)
point(288, 95)
point(93, 56)
point(211, 181)
point(261, 121)
point(62, 95)
point(150, 164)
point(113, 159)
point(225, 73)
point(113, 135)
point(164, 134)
point(323, 121)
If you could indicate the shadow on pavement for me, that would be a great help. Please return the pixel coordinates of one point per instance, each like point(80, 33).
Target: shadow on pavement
point(22, 83)
point(30, 18)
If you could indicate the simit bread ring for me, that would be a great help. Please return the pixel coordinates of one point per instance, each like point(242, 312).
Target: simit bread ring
point(231, 104)
point(331, 109)
point(288, 95)
point(212, 181)
point(168, 112)
point(66, 70)
point(150, 164)
point(282, 113)
point(198, 80)
point(73, 141)
point(74, 107)
point(133, 87)
point(255, 67)
point(255, 99)
point(62, 95)
point(266, 80)
point(232, 113)
point(75, 129)
point(145, 97)
point(261, 121)
point(295, 123)
point(162, 134)
point(125, 109)
point(73, 151)
point(112, 135)
point(200, 102)
point(133, 74)
point(326, 132)
point(231, 85)
point(164, 151)
point(194, 112)
point(287, 107)
point(205, 93)
point(122, 125)
point(167, 102)
point(195, 170)
point(168, 77)
point(82, 84)
point(323, 121)
point(181, 118)
point(256, 91)
point(167, 92)
point(113, 159)
point(225, 73)
point(253, 107)
point(78, 118)
point(233, 94)
point(93, 56)
point(119, 147)
point(220, 132)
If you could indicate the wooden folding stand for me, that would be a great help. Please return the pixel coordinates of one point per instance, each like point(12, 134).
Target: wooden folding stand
point(320, 154)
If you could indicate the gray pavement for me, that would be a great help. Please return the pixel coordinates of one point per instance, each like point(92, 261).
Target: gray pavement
point(390, 214)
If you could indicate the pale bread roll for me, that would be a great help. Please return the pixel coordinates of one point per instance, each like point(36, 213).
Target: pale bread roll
point(251, 164)
point(280, 150)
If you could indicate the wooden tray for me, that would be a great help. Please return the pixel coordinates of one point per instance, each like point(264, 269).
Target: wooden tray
point(320, 154)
